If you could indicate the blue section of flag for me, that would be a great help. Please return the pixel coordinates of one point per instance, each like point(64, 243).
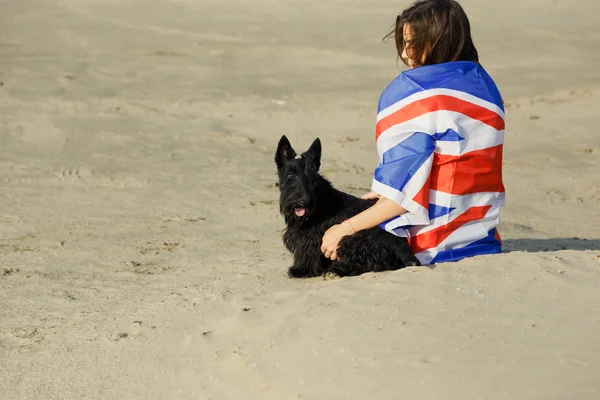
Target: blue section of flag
point(449, 136)
point(401, 162)
point(487, 245)
point(436, 211)
point(465, 76)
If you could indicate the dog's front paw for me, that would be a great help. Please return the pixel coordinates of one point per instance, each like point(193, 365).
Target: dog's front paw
point(294, 272)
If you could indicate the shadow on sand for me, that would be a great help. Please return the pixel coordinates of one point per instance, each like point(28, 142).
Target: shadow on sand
point(542, 245)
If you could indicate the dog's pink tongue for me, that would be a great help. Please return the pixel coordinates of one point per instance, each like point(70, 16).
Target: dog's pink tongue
point(300, 212)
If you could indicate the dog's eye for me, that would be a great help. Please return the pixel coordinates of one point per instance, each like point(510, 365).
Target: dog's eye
point(291, 174)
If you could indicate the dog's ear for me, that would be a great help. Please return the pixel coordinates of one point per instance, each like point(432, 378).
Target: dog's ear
point(284, 152)
point(313, 154)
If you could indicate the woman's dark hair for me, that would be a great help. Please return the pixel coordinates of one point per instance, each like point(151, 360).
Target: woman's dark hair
point(440, 33)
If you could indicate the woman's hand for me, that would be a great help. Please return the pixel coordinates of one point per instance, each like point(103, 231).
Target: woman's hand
point(371, 196)
point(383, 210)
point(331, 239)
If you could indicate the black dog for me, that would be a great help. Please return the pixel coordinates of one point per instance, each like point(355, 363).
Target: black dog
point(310, 206)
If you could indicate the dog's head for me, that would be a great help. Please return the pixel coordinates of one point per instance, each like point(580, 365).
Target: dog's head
point(298, 178)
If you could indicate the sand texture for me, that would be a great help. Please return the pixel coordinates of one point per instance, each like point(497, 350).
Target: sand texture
point(140, 249)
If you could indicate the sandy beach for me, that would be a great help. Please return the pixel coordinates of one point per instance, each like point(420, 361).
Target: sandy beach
point(140, 237)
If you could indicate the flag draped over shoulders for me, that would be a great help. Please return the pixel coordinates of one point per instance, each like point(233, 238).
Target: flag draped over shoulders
point(440, 131)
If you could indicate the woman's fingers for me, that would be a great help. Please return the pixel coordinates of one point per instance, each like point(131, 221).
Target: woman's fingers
point(332, 255)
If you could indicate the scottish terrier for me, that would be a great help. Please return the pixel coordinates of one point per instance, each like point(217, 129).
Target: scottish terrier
point(310, 205)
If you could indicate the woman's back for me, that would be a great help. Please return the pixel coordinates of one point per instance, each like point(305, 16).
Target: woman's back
point(440, 130)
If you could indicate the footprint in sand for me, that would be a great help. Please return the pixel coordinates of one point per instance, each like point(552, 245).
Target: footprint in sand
point(8, 271)
point(24, 337)
point(164, 247)
point(156, 267)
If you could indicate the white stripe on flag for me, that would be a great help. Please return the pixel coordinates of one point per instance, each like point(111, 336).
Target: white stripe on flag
point(439, 122)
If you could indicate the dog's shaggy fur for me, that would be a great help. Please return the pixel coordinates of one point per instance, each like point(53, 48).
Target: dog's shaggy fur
point(310, 206)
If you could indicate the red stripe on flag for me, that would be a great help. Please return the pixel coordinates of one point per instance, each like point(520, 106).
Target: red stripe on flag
point(474, 172)
point(422, 197)
point(497, 237)
point(437, 103)
point(434, 237)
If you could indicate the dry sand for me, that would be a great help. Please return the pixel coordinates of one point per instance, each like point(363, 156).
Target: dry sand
point(139, 233)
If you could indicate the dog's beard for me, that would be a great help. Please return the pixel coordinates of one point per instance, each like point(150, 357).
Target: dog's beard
point(296, 207)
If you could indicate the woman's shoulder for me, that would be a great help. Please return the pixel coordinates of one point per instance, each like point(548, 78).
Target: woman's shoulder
point(456, 77)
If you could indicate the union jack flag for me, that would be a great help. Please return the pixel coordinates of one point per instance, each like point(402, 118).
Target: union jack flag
point(440, 130)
